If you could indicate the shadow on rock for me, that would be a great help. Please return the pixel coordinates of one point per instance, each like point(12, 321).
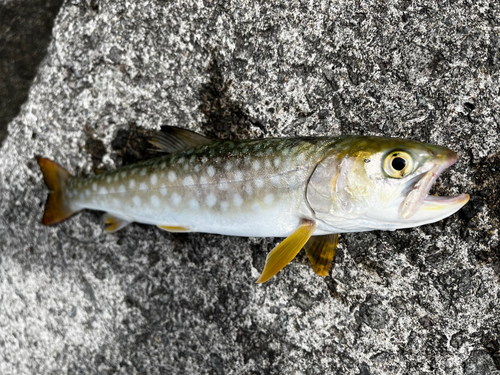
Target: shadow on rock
point(25, 32)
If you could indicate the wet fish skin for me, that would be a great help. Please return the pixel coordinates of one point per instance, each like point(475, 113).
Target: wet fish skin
point(292, 187)
point(245, 188)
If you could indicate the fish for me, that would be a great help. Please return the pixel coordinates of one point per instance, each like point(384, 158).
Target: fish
point(305, 189)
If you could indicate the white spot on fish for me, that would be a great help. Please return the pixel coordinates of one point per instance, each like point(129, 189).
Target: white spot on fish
point(143, 171)
point(277, 162)
point(238, 176)
point(136, 200)
point(176, 199)
point(193, 204)
point(181, 160)
point(188, 181)
point(256, 165)
point(204, 159)
point(155, 201)
point(224, 205)
point(163, 190)
point(275, 180)
point(131, 184)
point(154, 179)
point(197, 168)
point(123, 174)
point(171, 176)
point(94, 186)
point(259, 183)
point(256, 207)
point(228, 166)
point(163, 165)
point(108, 179)
point(211, 200)
point(203, 180)
point(211, 171)
point(143, 186)
point(112, 190)
point(217, 160)
point(237, 200)
point(267, 163)
point(222, 184)
point(301, 158)
point(87, 192)
point(116, 202)
point(269, 199)
point(122, 189)
point(186, 167)
point(116, 177)
point(249, 189)
point(69, 194)
point(103, 190)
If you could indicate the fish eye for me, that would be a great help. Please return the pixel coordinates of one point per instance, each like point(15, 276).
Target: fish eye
point(398, 164)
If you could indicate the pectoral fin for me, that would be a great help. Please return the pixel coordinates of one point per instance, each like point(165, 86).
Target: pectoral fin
point(113, 223)
point(287, 250)
point(320, 250)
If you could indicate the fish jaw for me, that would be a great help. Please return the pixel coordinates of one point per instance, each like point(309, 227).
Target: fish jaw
point(420, 206)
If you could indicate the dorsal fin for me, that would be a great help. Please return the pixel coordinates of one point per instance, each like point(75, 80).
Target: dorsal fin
point(171, 139)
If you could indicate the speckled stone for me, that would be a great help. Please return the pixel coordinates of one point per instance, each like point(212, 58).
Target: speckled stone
point(77, 300)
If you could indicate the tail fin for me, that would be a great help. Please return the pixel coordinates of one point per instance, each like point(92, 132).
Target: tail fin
point(57, 207)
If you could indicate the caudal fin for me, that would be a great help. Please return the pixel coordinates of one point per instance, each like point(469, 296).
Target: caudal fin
point(57, 206)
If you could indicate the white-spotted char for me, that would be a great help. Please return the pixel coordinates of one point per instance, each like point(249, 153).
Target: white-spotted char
point(292, 187)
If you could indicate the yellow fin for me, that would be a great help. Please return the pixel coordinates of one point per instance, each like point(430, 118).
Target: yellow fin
point(287, 250)
point(320, 250)
point(113, 223)
point(173, 228)
point(171, 139)
point(57, 206)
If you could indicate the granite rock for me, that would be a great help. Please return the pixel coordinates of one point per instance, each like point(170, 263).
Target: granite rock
point(77, 300)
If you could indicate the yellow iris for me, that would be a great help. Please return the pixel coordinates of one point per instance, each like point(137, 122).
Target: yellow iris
point(398, 164)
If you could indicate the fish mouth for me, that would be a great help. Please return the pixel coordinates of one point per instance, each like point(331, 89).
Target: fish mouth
point(433, 207)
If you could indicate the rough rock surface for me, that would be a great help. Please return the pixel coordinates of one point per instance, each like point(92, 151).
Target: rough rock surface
point(76, 300)
point(25, 30)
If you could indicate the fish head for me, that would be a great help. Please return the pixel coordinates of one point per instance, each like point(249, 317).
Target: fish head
point(366, 183)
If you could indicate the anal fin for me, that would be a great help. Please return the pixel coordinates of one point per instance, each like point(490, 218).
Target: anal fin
point(114, 223)
point(174, 228)
point(320, 250)
point(287, 250)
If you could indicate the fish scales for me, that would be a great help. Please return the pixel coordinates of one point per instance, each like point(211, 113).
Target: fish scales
point(305, 189)
point(252, 187)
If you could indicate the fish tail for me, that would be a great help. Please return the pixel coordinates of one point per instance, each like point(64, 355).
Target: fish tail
point(57, 206)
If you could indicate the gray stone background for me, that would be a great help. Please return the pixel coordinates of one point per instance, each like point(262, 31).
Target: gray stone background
point(77, 300)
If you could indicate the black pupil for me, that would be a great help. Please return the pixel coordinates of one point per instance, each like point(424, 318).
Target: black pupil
point(398, 164)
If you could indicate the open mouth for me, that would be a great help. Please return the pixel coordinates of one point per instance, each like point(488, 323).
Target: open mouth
point(418, 198)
